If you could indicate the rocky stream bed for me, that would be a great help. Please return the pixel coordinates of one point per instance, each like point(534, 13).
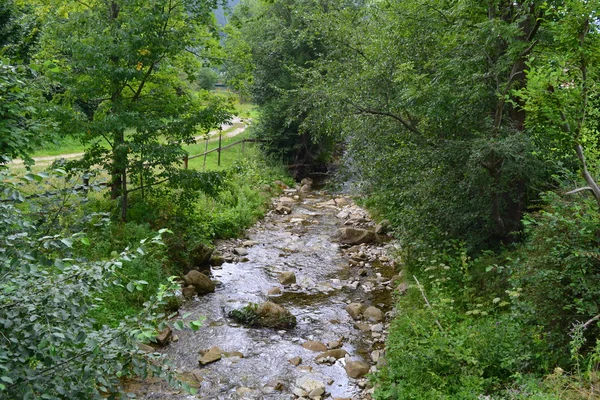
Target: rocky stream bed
point(319, 257)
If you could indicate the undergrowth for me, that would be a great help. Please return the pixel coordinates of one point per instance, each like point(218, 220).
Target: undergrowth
point(517, 323)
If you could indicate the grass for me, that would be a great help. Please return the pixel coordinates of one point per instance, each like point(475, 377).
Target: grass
point(247, 110)
point(228, 156)
point(70, 145)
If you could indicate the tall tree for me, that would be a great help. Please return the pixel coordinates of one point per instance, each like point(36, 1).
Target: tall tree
point(277, 36)
point(124, 83)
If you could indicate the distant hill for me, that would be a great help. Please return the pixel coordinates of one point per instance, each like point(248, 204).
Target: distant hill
point(220, 13)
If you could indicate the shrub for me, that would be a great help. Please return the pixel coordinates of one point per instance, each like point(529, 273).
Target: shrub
point(51, 346)
point(558, 270)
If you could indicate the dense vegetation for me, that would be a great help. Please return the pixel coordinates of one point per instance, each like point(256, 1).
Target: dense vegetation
point(473, 127)
point(88, 248)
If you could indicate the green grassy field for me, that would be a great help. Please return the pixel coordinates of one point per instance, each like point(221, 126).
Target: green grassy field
point(70, 145)
point(228, 156)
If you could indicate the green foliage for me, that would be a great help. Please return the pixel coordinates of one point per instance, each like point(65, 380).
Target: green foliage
point(558, 270)
point(278, 37)
point(20, 132)
point(51, 347)
point(133, 103)
point(207, 78)
point(463, 341)
point(246, 315)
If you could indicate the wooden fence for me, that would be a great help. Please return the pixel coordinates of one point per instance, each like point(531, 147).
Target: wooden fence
point(219, 149)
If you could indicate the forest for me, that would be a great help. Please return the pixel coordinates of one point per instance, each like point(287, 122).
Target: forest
point(471, 126)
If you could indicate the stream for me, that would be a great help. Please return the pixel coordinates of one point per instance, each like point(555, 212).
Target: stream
point(329, 275)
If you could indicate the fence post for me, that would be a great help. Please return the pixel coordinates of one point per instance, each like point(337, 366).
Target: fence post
point(205, 150)
point(185, 161)
point(219, 151)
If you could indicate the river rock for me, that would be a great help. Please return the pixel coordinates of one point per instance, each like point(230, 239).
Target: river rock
point(193, 378)
point(334, 344)
point(229, 354)
point(284, 210)
point(306, 181)
point(356, 369)
point(145, 348)
point(363, 327)
point(375, 355)
point(286, 201)
point(382, 227)
point(354, 236)
point(314, 346)
point(276, 385)
point(340, 201)
point(281, 185)
point(402, 288)
point(335, 353)
point(354, 309)
point(217, 260)
point(212, 355)
point(200, 255)
point(287, 278)
point(249, 243)
point(240, 251)
point(373, 314)
point(316, 393)
point(199, 281)
point(309, 384)
point(275, 316)
point(188, 291)
point(295, 361)
point(274, 291)
point(305, 189)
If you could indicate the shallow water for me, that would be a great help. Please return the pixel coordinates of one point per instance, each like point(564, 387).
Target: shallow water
point(303, 243)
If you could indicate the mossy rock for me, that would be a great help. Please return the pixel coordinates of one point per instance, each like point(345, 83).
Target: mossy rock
point(267, 314)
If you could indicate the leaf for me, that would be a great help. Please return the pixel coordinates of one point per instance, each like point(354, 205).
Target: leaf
point(130, 287)
point(179, 325)
point(67, 242)
point(85, 241)
point(6, 379)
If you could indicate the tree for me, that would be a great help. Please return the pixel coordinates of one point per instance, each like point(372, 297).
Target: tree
point(562, 95)
point(278, 37)
point(124, 84)
point(424, 92)
point(21, 128)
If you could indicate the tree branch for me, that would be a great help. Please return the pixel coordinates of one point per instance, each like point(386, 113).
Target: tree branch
point(581, 189)
point(427, 301)
point(398, 118)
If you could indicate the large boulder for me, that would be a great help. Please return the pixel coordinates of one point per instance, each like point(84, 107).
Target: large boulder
point(200, 255)
point(199, 281)
point(353, 236)
point(267, 314)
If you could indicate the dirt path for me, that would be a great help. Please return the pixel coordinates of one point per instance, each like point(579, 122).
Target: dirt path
point(47, 160)
point(282, 363)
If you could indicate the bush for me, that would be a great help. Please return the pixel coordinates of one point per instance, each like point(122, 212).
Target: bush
point(51, 346)
point(469, 342)
point(558, 270)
